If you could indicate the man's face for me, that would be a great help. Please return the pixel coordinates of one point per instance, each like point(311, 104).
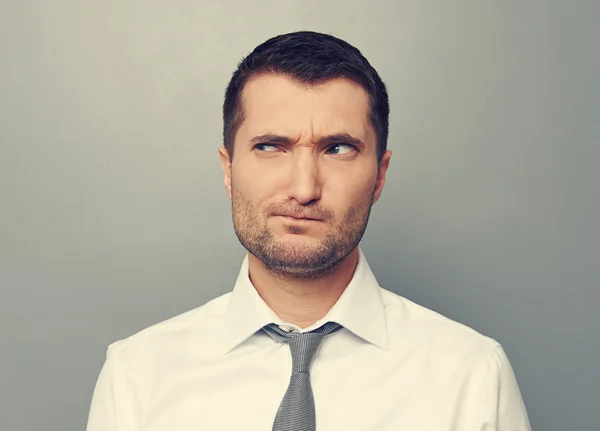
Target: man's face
point(305, 173)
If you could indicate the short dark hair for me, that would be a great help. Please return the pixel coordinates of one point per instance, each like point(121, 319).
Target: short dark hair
point(309, 58)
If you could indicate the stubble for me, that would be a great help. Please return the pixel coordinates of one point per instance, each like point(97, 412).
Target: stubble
point(298, 260)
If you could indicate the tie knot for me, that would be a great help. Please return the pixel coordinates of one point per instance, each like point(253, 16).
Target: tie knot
point(303, 345)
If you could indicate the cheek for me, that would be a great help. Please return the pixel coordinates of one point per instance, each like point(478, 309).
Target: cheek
point(352, 190)
point(255, 187)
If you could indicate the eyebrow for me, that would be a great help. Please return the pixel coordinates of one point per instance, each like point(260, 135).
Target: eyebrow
point(336, 138)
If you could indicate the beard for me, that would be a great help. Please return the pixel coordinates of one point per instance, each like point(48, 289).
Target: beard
point(299, 260)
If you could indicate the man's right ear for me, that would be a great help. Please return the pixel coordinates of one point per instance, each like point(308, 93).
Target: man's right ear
point(226, 165)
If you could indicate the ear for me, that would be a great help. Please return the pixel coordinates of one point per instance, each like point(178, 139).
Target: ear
point(383, 167)
point(226, 165)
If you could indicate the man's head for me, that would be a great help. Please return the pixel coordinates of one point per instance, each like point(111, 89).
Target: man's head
point(305, 137)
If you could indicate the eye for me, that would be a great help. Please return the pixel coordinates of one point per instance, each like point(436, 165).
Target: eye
point(341, 149)
point(266, 148)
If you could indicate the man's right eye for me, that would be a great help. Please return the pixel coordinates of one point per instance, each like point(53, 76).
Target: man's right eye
point(267, 148)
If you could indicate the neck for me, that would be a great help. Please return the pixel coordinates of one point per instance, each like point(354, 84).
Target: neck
point(302, 301)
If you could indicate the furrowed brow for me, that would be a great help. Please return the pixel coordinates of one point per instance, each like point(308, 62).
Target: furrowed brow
point(337, 138)
point(270, 139)
point(340, 138)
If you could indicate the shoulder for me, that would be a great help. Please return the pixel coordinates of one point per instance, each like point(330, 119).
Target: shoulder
point(435, 335)
point(166, 334)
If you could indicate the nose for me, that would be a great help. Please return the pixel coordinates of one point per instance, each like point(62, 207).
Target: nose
point(304, 183)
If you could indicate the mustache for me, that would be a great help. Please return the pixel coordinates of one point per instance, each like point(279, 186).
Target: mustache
point(313, 213)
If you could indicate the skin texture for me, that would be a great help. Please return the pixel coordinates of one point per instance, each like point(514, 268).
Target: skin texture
point(301, 267)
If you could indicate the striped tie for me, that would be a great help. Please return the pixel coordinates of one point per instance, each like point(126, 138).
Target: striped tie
point(297, 409)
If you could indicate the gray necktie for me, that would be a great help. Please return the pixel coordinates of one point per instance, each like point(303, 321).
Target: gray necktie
point(297, 409)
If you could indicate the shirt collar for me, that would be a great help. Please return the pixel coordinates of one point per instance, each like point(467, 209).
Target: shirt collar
point(360, 309)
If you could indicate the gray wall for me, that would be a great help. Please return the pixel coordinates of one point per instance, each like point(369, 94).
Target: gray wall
point(114, 217)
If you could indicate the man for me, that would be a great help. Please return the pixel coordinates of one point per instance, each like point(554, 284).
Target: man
point(307, 339)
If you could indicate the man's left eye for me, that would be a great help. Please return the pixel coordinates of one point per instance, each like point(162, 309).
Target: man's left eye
point(340, 149)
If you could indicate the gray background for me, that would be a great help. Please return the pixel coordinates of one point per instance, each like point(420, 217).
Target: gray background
point(114, 216)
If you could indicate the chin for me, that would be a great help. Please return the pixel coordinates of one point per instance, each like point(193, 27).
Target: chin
point(294, 240)
point(296, 244)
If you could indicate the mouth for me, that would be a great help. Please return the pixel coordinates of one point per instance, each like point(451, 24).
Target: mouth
point(297, 218)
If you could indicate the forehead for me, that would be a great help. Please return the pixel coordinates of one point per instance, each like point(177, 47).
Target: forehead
point(277, 104)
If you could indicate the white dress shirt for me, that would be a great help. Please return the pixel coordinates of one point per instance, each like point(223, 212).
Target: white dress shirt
point(393, 366)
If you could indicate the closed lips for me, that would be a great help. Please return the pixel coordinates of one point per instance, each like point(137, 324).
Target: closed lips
point(298, 217)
